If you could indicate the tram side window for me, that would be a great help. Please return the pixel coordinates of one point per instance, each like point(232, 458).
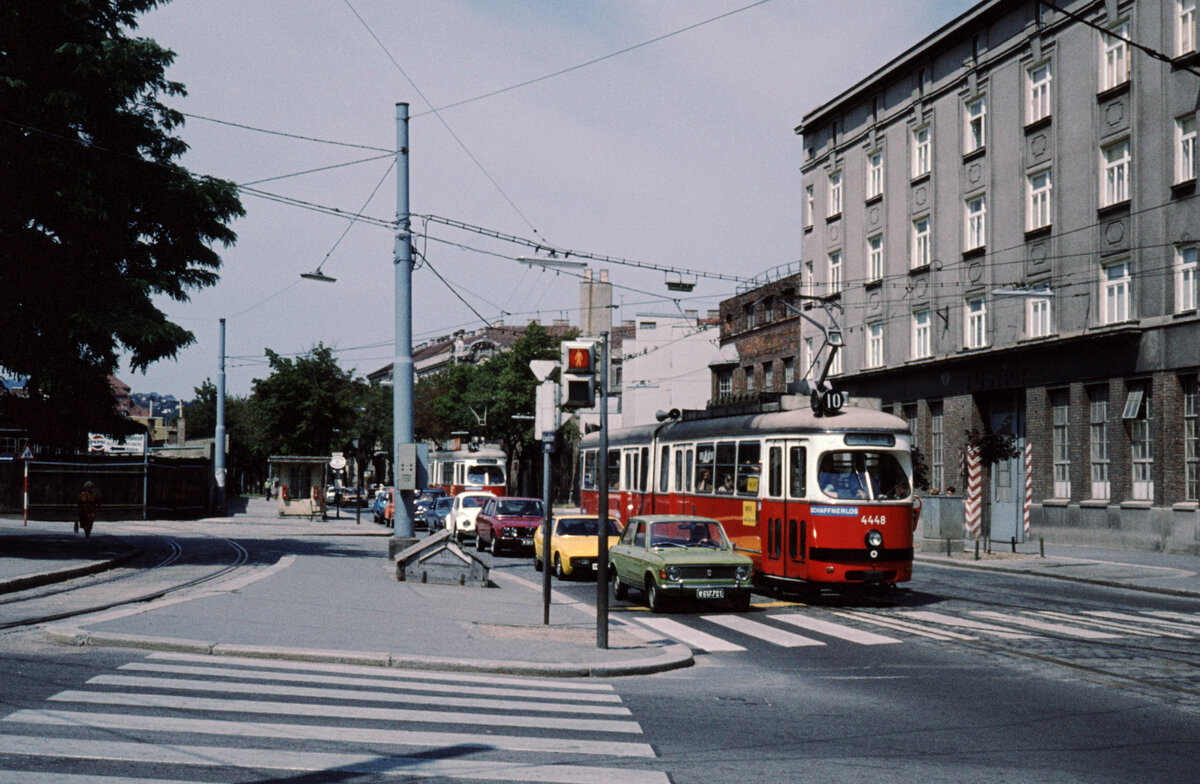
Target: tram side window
point(796, 484)
point(726, 465)
point(664, 469)
point(447, 473)
point(614, 469)
point(644, 477)
point(854, 475)
point(678, 470)
point(775, 472)
point(589, 470)
point(706, 455)
point(630, 471)
point(687, 472)
point(749, 466)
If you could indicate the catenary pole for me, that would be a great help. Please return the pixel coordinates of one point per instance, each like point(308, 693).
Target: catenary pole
point(602, 523)
point(219, 432)
point(402, 365)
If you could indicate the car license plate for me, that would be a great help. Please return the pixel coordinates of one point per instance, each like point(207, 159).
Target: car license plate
point(710, 593)
point(595, 567)
point(527, 542)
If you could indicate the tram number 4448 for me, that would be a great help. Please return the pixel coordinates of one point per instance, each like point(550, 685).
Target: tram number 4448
point(874, 520)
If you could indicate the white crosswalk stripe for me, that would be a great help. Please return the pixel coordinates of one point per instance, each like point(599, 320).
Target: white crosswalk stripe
point(1046, 626)
point(689, 636)
point(762, 631)
point(187, 713)
point(848, 633)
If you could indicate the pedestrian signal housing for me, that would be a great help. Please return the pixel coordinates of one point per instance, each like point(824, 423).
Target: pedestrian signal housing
point(579, 374)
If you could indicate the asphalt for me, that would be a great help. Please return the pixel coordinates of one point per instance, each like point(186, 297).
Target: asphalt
point(319, 604)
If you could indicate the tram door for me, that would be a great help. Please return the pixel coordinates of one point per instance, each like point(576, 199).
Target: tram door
point(782, 522)
point(681, 485)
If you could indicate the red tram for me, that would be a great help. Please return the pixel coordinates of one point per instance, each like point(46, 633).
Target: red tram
point(813, 500)
point(455, 471)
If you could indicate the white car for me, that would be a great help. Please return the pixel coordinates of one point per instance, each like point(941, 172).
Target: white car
point(461, 519)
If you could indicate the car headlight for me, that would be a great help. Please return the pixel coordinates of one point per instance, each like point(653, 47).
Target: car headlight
point(673, 573)
point(742, 573)
point(874, 539)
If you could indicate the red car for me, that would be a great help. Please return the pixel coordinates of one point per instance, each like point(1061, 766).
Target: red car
point(507, 523)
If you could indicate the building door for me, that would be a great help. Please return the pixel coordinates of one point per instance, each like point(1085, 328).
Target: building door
point(1008, 476)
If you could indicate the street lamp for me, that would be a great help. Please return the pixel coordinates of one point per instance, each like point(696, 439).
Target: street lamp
point(317, 275)
point(537, 261)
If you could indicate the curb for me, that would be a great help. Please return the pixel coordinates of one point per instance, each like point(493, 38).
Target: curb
point(1180, 592)
point(37, 580)
point(673, 656)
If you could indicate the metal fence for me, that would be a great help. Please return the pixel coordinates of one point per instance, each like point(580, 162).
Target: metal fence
point(130, 488)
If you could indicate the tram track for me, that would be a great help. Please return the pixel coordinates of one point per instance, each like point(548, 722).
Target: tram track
point(175, 552)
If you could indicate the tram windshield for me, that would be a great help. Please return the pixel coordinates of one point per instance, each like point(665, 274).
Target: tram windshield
point(877, 476)
point(485, 475)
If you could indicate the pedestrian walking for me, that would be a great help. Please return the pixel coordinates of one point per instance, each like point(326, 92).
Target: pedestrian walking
point(89, 507)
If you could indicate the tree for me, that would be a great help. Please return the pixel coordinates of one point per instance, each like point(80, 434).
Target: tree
point(96, 217)
point(304, 403)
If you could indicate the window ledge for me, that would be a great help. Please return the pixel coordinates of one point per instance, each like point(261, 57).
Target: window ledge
point(1185, 188)
point(918, 270)
point(1185, 60)
point(1137, 504)
point(1185, 506)
point(1094, 503)
point(1184, 314)
point(978, 152)
point(873, 284)
point(920, 178)
point(1038, 339)
point(1039, 232)
point(971, 253)
point(808, 229)
point(831, 218)
point(1112, 209)
point(878, 197)
point(1113, 91)
point(1038, 124)
point(1056, 501)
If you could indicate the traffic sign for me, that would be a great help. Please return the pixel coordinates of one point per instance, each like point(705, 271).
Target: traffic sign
point(337, 462)
point(26, 453)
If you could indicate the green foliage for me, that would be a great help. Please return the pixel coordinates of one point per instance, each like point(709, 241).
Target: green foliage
point(993, 447)
point(96, 218)
point(201, 412)
point(920, 469)
point(304, 403)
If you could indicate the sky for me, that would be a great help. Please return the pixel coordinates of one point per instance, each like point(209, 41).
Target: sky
point(675, 148)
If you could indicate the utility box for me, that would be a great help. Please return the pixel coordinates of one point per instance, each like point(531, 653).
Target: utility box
point(440, 560)
point(412, 467)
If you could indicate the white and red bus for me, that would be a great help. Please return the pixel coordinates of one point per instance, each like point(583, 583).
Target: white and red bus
point(468, 469)
point(813, 500)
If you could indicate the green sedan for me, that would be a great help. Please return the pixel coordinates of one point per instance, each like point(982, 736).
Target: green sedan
point(672, 556)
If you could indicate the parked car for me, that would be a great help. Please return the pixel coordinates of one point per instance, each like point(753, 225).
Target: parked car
point(508, 523)
point(379, 507)
point(422, 504)
point(435, 516)
point(574, 544)
point(466, 507)
point(330, 495)
point(672, 556)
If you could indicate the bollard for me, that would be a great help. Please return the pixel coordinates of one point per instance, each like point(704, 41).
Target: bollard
point(947, 547)
point(976, 549)
point(1042, 546)
point(1014, 544)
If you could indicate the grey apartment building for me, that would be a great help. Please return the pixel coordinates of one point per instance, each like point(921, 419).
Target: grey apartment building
point(1006, 215)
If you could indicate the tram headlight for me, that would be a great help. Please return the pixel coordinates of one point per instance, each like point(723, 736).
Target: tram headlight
point(874, 538)
point(673, 574)
point(742, 573)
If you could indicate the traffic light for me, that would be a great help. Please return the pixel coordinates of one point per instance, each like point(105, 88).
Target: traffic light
point(578, 374)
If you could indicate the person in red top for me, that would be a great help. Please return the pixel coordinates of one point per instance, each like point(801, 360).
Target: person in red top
point(89, 507)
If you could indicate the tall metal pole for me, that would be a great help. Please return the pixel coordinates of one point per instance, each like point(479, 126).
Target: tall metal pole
point(402, 365)
point(602, 527)
point(219, 432)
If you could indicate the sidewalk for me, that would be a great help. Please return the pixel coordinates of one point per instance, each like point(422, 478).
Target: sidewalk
point(342, 604)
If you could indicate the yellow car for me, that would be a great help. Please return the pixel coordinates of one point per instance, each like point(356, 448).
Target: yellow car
point(574, 546)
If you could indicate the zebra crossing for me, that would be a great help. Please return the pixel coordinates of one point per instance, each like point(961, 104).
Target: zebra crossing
point(820, 627)
point(197, 714)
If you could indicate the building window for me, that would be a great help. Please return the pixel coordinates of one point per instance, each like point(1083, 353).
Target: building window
point(922, 151)
point(768, 313)
point(768, 376)
point(875, 344)
point(835, 272)
point(974, 136)
point(1185, 27)
point(1038, 100)
point(1037, 211)
point(835, 194)
point(835, 361)
point(1114, 293)
point(724, 383)
point(809, 357)
point(1141, 441)
point(810, 284)
point(810, 206)
point(874, 174)
point(789, 370)
point(748, 311)
point(920, 243)
point(875, 258)
point(921, 346)
point(1060, 404)
point(1114, 56)
point(937, 451)
point(1185, 148)
point(1037, 317)
point(1098, 432)
point(976, 324)
point(1115, 174)
point(976, 222)
point(1191, 440)
point(749, 371)
point(1186, 287)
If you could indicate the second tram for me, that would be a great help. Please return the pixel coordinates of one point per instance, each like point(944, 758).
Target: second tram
point(466, 469)
point(813, 500)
